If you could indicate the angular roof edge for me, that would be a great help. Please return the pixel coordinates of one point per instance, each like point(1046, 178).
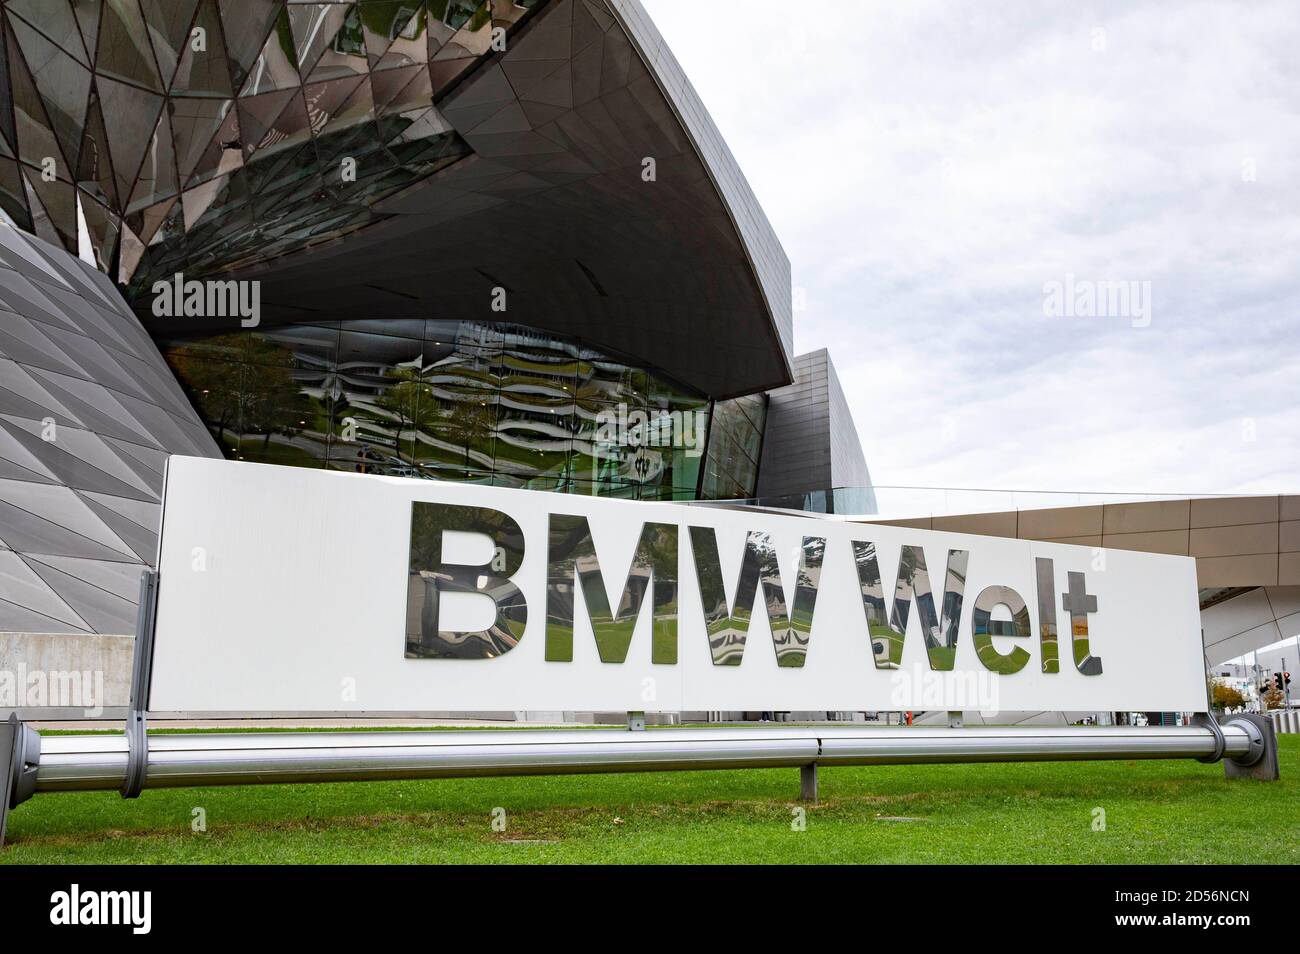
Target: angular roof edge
point(766, 256)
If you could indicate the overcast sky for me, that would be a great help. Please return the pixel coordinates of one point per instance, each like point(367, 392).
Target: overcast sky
point(931, 167)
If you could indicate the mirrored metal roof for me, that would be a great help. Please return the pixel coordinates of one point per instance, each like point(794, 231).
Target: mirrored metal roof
point(399, 158)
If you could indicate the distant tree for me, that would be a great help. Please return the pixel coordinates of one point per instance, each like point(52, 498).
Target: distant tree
point(411, 400)
point(206, 374)
point(272, 401)
point(1274, 699)
point(249, 387)
point(470, 426)
point(1226, 697)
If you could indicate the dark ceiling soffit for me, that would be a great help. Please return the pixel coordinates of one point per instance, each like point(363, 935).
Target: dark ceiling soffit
point(277, 311)
point(686, 130)
point(516, 29)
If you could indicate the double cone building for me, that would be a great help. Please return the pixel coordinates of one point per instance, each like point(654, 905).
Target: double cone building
point(469, 240)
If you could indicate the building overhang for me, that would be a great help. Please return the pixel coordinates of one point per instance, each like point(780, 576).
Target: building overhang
point(596, 193)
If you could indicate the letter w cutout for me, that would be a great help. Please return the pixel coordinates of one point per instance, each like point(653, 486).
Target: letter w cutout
point(728, 627)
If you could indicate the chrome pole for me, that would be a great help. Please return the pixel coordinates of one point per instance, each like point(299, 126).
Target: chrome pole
point(81, 762)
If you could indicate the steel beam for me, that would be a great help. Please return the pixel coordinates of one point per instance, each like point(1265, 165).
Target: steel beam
point(78, 762)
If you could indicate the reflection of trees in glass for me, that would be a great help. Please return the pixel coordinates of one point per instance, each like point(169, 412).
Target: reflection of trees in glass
point(256, 395)
point(410, 399)
point(538, 396)
point(389, 19)
point(208, 381)
point(470, 425)
point(273, 402)
point(813, 553)
point(336, 404)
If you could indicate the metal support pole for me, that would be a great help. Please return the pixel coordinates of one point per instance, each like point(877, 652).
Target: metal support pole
point(20, 755)
point(1261, 764)
point(8, 742)
point(1207, 719)
point(808, 783)
point(141, 669)
point(76, 762)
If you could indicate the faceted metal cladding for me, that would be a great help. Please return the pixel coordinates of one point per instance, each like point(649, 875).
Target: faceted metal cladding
point(222, 134)
point(88, 414)
point(431, 576)
point(810, 443)
point(438, 148)
point(196, 134)
point(588, 196)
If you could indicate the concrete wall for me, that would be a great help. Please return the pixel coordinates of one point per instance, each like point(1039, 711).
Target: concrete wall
point(64, 675)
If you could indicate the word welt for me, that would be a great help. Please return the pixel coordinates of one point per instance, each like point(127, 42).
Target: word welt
point(574, 574)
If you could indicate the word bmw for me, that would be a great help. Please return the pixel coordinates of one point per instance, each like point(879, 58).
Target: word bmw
point(574, 573)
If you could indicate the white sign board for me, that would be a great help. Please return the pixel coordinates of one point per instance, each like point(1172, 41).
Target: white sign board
point(295, 590)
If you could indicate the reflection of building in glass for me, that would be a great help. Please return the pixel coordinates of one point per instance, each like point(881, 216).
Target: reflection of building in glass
point(466, 401)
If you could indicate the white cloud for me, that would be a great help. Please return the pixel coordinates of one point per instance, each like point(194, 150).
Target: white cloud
point(929, 166)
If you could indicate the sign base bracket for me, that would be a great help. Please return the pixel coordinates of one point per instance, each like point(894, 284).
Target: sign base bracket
point(1260, 761)
point(808, 783)
point(137, 735)
point(20, 756)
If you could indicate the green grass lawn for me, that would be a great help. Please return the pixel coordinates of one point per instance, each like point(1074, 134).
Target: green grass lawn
point(1165, 811)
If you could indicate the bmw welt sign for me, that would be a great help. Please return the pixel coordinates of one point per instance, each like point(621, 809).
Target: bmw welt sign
point(293, 590)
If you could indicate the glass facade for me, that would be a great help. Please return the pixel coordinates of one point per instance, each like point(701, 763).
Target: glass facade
point(731, 465)
point(457, 400)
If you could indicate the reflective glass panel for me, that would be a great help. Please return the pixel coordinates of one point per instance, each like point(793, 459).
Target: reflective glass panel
point(448, 400)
